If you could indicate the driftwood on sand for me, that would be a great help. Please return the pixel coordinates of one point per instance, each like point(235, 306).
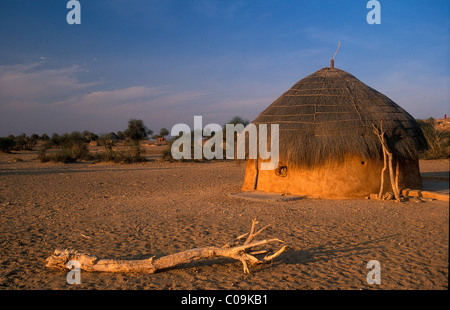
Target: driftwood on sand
point(245, 252)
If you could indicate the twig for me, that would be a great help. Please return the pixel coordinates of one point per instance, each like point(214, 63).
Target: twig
point(85, 236)
point(337, 50)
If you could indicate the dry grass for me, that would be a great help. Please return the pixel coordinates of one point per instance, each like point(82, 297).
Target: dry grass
point(329, 114)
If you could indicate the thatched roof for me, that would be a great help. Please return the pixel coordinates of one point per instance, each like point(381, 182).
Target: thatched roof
point(329, 114)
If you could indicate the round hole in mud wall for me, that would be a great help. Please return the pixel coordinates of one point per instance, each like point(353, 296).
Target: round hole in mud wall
point(281, 171)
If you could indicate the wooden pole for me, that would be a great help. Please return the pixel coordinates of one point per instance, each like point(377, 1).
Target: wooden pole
point(394, 181)
point(391, 174)
point(380, 194)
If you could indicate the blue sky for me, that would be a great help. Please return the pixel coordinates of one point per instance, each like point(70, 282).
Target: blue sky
point(164, 61)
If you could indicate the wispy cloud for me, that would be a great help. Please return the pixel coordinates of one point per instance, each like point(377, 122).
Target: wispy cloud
point(30, 83)
point(112, 98)
point(43, 96)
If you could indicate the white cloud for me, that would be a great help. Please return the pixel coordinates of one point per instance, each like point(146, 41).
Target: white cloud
point(31, 84)
point(32, 96)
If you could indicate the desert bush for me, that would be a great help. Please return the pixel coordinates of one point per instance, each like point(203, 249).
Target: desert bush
point(53, 141)
point(130, 156)
point(133, 154)
point(45, 137)
point(163, 132)
point(120, 135)
point(89, 136)
point(167, 153)
point(64, 155)
point(60, 156)
point(30, 142)
point(136, 131)
point(71, 147)
point(438, 141)
point(123, 157)
point(108, 143)
point(20, 142)
point(7, 144)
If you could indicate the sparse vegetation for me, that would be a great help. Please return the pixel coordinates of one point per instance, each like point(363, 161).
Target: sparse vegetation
point(89, 136)
point(135, 133)
point(167, 154)
point(18, 143)
point(108, 144)
point(438, 140)
point(163, 132)
point(7, 144)
point(71, 147)
point(238, 120)
point(45, 137)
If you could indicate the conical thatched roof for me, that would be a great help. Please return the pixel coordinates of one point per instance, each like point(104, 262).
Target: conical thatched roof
point(329, 114)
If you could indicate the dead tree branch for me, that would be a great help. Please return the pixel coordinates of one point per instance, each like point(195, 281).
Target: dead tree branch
point(390, 156)
point(233, 249)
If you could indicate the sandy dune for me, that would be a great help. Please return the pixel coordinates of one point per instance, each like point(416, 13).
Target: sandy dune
point(158, 208)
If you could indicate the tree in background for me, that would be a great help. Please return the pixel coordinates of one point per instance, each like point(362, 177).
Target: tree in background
point(19, 142)
point(235, 121)
point(108, 143)
point(120, 135)
point(136, 132)
point(7, 144)
point(438, 140)
point(45, 137)
point(163, 132)
point(30, 142)
point(89, 136)
point(238, 120)
point(71, 147)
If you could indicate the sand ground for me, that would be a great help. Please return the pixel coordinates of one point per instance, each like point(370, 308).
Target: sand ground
point(158, 208)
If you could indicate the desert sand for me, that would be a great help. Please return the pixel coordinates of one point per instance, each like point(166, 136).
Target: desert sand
point(136, 211)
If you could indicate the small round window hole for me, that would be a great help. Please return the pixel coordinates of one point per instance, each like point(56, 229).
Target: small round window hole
point(281, 171)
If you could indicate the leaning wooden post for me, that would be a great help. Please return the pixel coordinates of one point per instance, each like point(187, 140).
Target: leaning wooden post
point(391, 174)
point(380, 134)
point(394, 182)
point(380, 194)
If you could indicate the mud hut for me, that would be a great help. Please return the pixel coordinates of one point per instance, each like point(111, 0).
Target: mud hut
point(327, 144)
